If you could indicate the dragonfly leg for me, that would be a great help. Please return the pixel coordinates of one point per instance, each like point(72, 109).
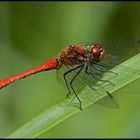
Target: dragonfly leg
point(65, 74)
point(103, 65)
point(65, 79)
point(104, 71)
point(110, 97)
point(86, 71)
point(71, 84)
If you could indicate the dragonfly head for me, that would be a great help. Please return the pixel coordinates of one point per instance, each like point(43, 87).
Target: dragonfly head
point(97, 52)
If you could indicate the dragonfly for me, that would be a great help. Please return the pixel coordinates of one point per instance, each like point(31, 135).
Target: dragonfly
point(83, 63)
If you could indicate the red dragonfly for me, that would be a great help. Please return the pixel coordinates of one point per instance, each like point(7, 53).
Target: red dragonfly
point(79, 61)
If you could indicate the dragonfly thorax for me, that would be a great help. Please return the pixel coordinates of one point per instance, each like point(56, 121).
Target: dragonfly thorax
point(73, 55)
point(78, 54)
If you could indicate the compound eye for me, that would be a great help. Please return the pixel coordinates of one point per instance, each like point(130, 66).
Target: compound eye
point(97, 52)
point(102, 54)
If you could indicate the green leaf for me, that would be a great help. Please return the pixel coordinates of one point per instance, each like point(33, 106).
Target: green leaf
point(127, 72)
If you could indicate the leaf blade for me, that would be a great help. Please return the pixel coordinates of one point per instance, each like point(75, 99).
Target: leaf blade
point(64, 109)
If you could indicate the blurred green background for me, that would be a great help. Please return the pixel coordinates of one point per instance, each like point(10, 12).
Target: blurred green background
point(33, 32)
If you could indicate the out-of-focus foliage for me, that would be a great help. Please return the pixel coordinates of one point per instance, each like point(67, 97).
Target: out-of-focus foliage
point(31, 33)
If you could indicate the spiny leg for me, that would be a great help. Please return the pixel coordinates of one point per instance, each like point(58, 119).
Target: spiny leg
point(65, 74)
point(96, 78)
point(105, 66)
point(109, 95)
point(65, 79)
point(100, 70)
point(86, 71)
point(71, 84)
point(101, 74)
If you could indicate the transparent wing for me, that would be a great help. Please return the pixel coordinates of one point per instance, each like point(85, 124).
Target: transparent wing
point(84, 79)
point(115, 54)
point(79, 82)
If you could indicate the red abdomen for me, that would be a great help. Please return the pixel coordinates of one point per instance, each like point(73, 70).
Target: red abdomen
point(49, 65)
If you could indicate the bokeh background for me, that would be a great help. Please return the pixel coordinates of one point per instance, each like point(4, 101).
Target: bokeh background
point(33, 32)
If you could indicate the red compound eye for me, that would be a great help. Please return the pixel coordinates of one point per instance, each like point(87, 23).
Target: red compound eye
point(97, 51)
